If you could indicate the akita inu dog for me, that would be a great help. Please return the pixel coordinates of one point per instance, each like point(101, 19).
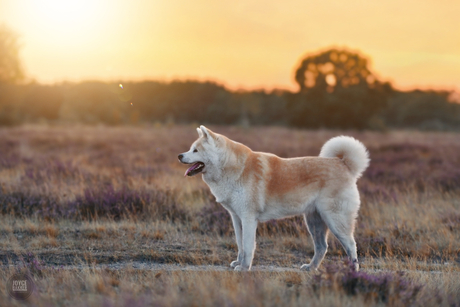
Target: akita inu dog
point(256, 187)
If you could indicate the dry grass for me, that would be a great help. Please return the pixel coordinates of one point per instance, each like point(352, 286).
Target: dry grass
point(133, 287)
point(85, 197)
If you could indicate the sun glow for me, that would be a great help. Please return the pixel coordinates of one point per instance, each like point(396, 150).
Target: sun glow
point(66, 12)
point(67, 21)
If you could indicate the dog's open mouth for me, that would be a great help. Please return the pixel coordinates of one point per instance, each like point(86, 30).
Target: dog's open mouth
point(194, 169)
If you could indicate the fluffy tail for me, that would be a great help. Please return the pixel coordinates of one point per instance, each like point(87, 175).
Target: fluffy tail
point(352, 152)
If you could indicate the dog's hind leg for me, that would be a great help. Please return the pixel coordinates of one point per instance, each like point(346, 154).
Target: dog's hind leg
point(318, 231)
point(238, 227)
point(341, 221)
point(249, 243)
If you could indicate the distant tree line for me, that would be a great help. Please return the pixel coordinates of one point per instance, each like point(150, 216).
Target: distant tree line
point(139, 102)
point(336, 90)
point(205, 102)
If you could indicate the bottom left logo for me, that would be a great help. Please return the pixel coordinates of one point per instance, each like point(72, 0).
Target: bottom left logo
point(20, 286)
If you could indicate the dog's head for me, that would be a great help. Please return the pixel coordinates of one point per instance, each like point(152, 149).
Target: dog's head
point(205, 153)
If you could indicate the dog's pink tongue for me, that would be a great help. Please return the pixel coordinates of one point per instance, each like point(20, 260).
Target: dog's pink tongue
point(191, 168)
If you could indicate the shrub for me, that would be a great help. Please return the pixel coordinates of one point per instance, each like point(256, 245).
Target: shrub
point(115, 203)
point(105, 201)
point(387, 287)
point(26, 204)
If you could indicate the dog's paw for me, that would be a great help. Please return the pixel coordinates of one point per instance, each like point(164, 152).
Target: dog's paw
point(356, 265)
point(307, 267)
point(235, 263)
point(240, 268)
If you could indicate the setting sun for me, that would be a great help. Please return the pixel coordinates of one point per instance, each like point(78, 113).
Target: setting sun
point(67, 13)
point(67, 22)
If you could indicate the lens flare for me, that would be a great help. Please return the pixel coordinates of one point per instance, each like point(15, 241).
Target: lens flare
point(120, 85)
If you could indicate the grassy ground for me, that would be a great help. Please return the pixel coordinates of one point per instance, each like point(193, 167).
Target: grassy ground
point(83, 207)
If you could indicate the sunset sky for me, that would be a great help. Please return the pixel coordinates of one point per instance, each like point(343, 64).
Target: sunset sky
point(242, 44)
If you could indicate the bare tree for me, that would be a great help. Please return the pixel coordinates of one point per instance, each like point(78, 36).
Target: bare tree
point(10, 66)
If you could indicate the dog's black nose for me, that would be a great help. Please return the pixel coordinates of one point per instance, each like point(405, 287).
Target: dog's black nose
point(180, 157)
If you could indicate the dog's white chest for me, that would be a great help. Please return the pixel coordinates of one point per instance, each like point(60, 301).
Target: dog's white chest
point(227, 194)
point(220, 189)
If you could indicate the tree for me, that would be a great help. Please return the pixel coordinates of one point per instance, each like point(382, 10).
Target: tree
point(10, 66)
point(337, 90)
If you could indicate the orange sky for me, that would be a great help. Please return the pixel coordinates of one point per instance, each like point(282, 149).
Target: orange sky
point(241, 44)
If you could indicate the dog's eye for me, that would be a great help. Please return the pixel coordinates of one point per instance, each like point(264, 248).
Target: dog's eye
point(195, 150)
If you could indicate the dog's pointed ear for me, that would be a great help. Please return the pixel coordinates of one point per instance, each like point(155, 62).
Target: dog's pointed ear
point(204, 131)
point(200, 133)
point(207, 134)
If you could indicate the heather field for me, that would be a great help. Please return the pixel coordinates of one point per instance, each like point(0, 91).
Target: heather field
point(102, 216)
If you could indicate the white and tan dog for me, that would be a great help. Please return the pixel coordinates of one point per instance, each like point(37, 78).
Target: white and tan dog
point(256, 187)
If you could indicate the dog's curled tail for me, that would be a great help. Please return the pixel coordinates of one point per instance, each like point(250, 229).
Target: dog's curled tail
point(352, 152)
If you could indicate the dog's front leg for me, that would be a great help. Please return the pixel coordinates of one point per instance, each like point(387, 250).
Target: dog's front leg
point(237, 225)
point(249, 243)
